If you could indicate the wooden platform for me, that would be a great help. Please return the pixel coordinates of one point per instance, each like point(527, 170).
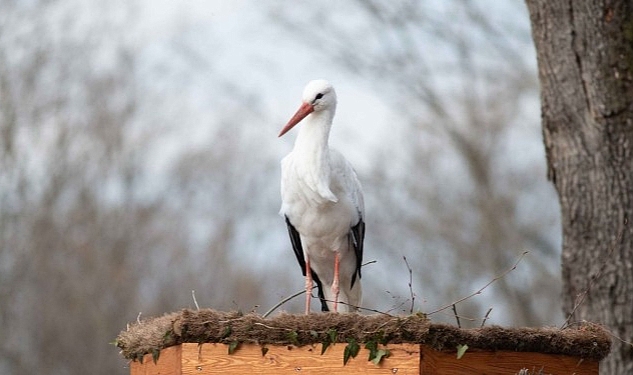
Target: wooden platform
point(250, 359)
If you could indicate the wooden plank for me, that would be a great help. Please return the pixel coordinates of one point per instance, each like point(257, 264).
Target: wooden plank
point(502, 363)
point(248, 359)
point(169, 363)
point(408, 359)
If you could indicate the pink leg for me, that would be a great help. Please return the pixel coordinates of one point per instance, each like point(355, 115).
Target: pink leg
point(335, 282)
point(308, 285)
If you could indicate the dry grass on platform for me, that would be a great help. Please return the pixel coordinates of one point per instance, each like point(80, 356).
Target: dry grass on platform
point(209, 326)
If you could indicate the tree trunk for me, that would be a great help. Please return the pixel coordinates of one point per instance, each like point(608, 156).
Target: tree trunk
point(585, 60)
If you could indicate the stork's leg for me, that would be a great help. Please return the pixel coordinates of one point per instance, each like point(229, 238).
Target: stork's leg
point(308, 285)
point(335, 282)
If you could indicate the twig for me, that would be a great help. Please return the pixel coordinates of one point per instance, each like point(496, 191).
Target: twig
point(272, 309)
point(497, 278)
point(312, 331)
point(282, 302)
point(459, 325)
point(195, 302)
point(629, 343)
point(606, 329)
point(486, 317)
point(360, 307)
point(396, 307)
point(138, 317)
point(368, 263)
point(581, 297)
point(269, 327)
point(462, 317)
point(410, 284)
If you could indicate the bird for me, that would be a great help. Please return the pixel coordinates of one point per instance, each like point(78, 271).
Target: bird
point(323, 205)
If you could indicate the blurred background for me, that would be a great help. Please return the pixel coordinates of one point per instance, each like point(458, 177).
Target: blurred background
point(139, 161)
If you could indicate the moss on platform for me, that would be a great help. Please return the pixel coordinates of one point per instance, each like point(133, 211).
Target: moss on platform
point(210, 326)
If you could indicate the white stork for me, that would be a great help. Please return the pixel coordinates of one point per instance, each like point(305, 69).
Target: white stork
point(322, 202)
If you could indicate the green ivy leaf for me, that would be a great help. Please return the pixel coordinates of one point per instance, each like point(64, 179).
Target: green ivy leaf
point(332, 334)
point(330, 338)
point(167, 336)
point(324, 345)
point(155, 355)
point(372, 346)
point(293, 336)
point(351, 350)
point(461, 350)
point(227, 331)
point(381, 338)
point(233, 346)
point(380, 354)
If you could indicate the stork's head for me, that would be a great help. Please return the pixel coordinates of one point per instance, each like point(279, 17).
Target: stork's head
point(318, 96)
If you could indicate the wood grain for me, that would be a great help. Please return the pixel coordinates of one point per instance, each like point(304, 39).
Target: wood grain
point(169, 363)
point(502, 363)
point(405, 359)
point(305, 360)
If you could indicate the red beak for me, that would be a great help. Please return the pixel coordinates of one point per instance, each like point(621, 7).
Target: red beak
point(301, 113)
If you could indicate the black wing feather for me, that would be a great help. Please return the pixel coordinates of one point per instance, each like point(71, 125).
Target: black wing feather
point(295, 239)
point(357, 238)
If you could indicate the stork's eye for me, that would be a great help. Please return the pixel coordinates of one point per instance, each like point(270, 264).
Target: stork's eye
point(319, 96)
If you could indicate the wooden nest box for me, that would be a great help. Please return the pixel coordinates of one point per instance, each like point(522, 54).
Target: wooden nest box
point(211, 342)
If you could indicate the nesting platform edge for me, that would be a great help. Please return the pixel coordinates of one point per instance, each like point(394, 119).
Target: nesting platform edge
point(198, 342)
point(404, 359)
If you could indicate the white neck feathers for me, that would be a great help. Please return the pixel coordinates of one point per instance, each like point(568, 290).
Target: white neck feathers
point(311, 152)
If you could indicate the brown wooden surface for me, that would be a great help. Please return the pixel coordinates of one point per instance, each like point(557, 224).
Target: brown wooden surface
point(213, 359)
point(502, 363)
point(169, 363)
point(407, 359)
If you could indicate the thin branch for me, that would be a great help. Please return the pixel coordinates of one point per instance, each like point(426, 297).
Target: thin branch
point(410, 284)
point(462, 317)
point(396, 307)
point(459, 325)
point(497, 278)
point(361, 308)
point(195, 302)
point(605, 328)
point(326, 300)
point(272, 309)
point(629, 343)
point(486, 317)
point(269, 327)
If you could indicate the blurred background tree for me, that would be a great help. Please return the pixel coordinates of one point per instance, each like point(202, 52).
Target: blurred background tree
point(139, 161)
